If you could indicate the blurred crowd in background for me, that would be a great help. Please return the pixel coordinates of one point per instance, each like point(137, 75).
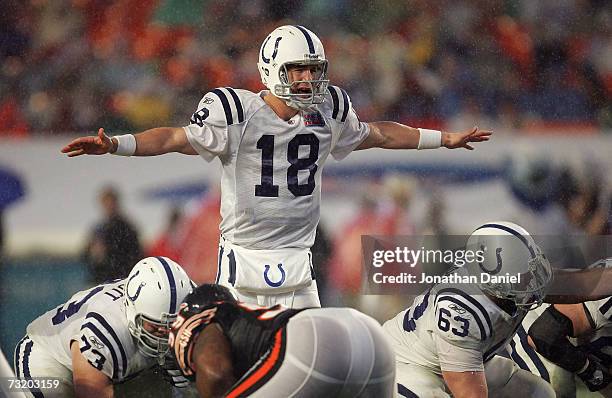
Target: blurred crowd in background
point(76, 65)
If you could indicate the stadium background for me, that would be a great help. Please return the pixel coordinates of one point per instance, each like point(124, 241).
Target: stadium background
point(538, 73)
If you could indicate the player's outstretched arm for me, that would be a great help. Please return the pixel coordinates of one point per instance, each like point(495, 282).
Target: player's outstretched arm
point(151, 142)
point(88, 381)
point(391, 135)
point(572, 287)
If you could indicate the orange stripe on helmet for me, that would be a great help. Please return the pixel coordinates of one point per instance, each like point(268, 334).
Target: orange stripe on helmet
point(184, 340)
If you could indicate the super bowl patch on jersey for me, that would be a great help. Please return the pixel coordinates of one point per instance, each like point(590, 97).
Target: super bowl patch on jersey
point(313, 119)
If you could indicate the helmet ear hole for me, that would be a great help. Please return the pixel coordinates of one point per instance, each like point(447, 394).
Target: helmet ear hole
point(282, 74)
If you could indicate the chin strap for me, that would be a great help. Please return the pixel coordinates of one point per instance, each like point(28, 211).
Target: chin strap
point(292, 104)
point(299, 107)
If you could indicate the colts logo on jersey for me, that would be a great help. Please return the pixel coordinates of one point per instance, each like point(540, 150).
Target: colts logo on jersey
point(313, 119)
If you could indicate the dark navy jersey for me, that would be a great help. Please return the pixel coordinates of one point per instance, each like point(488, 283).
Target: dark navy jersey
point(249, 329)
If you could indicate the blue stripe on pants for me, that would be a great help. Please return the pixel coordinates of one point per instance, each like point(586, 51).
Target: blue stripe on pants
point(26, 368)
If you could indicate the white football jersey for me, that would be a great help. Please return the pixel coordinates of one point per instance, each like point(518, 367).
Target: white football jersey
point(524, 355)
point(598, 342)
point(462, 316)
point(271, 178)
point(94, 319)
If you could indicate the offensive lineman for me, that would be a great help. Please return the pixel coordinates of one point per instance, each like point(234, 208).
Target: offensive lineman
point(589, 322)
point(591, 358)
point(272, 146)
point(446, 342)
point(107, 334)
point(236, 350)
point(525, 356)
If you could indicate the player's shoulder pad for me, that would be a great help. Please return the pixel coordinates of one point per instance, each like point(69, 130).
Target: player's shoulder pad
point(105, 341)
point(224, 106)
point(337, 104)
point(461, 316)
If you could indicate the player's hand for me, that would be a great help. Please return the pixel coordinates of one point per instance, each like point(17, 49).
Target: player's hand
point(462, 140)
point(596, 375)
point(92, 145)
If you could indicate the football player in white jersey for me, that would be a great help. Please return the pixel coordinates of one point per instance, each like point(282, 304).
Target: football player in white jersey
point(589, 356)
point(525, 356)
point(107, 334)
point(272, 146)
point(590, 329)
point(445, 343)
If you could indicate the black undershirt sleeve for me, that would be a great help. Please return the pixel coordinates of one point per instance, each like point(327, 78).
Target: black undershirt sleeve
point(550, 335)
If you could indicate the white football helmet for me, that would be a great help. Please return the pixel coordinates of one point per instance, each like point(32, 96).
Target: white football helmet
point(293, 45)
point(510, 250)
point(154, 289)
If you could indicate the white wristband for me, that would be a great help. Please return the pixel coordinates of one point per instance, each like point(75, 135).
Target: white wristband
point(429, 139)
point(126, 145)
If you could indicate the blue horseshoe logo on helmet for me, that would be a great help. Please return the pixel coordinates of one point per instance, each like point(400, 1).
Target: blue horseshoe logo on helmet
point(127, 290)
point(499, 262)
point(271, 283)
point(263, 57)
